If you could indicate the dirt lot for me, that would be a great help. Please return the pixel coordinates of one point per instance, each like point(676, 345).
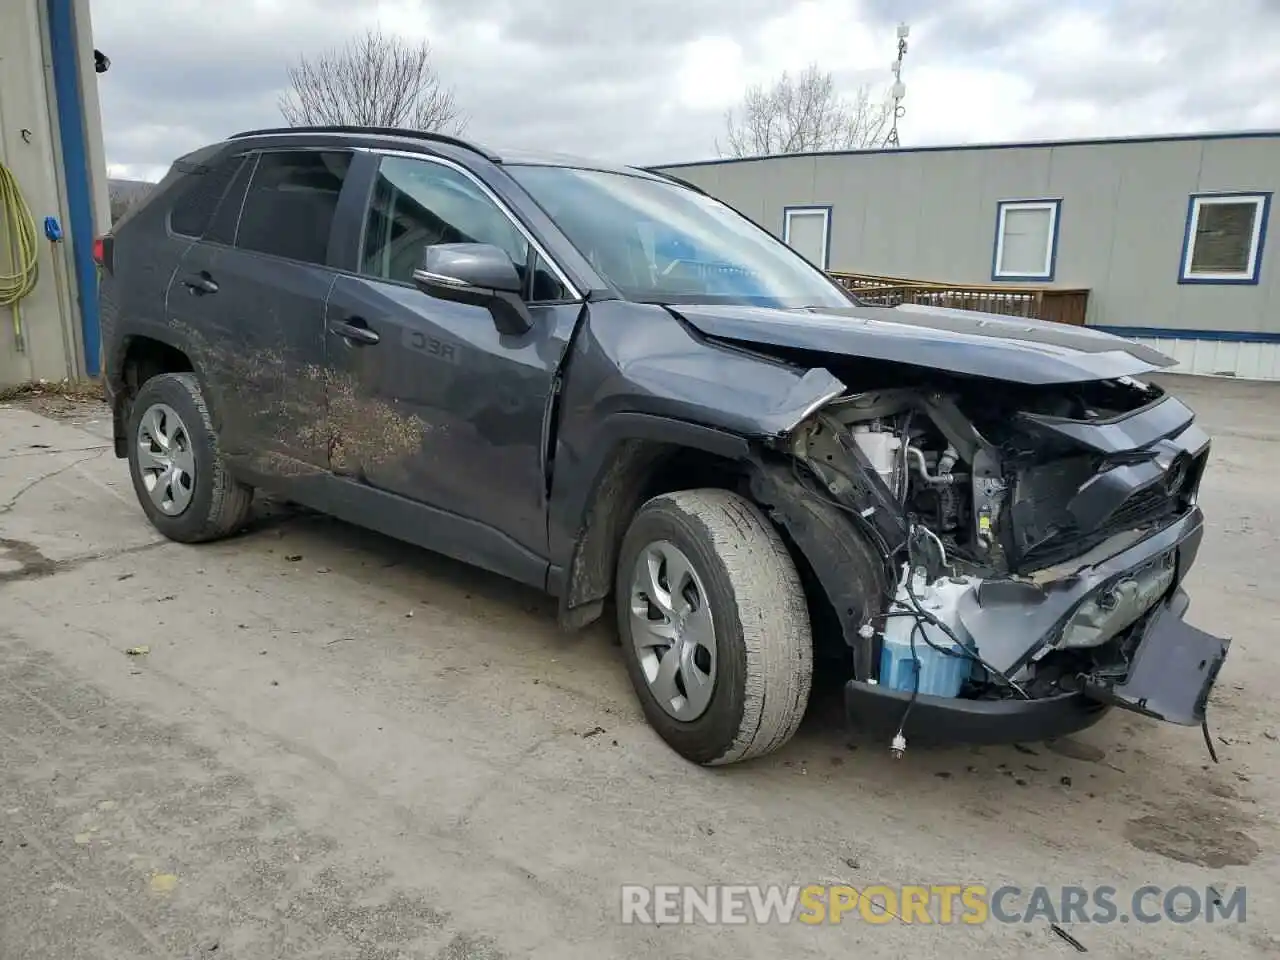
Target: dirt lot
point(340, 747)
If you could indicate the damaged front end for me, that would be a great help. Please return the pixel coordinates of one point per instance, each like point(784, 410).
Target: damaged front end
point(1034, 541)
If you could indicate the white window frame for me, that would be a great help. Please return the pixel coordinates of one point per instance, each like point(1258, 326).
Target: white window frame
point(810, 210)
point(1054, 207)
point(1262, 206)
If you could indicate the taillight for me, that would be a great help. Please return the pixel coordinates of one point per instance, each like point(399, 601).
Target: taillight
point(103, 252)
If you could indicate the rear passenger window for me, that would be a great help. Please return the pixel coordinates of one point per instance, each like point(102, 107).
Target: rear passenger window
point(222, 228)
point(199, 200)
point(291, 202)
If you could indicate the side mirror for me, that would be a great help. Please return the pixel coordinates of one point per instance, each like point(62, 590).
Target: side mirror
point(479, 274)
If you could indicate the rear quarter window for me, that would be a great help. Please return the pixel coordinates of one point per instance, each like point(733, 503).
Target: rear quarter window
point(194, 209)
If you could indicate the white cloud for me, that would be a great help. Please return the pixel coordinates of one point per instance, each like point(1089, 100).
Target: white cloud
point(650, 82)
point(713, 74)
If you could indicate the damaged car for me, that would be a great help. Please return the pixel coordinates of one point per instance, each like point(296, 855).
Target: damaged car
point(599, 381)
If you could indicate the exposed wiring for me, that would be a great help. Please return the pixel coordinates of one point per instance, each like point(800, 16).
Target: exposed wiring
point(965, 650)
point(1208, 740)
point(917, 610)
point(899, 738)
point(23, 242)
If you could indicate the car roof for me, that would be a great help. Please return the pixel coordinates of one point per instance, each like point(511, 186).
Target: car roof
point(404, 139)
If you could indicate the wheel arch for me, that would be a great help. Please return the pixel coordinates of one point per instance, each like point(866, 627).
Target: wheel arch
point(141, 357)
point(846, 571)
point(637, 457)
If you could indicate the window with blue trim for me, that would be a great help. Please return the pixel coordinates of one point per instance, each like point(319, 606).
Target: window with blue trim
point(807, 231)
point(1224, 238)
point(1026, 242)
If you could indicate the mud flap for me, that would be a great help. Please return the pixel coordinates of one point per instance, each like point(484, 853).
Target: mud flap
point(1172, 673)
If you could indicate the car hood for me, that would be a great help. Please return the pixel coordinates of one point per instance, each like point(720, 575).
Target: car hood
point(955, 341)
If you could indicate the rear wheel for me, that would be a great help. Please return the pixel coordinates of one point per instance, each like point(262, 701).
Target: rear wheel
point(178, 473)
point(714, 626)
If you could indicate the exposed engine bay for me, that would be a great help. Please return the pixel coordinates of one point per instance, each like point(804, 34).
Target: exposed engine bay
point(1030, 534)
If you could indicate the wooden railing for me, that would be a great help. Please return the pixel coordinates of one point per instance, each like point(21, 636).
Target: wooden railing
point(1040, 303)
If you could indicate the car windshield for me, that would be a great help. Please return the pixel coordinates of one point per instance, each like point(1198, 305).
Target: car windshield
point(659, 242)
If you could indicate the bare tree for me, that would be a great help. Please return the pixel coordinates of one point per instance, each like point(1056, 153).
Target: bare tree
point(372, 81)
point(805, 113)
point(126, 195)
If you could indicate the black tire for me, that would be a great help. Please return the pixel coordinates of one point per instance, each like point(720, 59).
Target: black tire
point(764, 657)
point(219, 504)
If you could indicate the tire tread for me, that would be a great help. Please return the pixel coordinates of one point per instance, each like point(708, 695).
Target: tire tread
point(772, 611)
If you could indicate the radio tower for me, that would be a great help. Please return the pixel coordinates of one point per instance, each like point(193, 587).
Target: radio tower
point(899, 89)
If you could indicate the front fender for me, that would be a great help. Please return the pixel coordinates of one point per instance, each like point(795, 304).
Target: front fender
point(638, 384)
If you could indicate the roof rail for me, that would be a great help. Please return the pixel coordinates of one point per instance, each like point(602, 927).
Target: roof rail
point(658, 172)
point(375, 131)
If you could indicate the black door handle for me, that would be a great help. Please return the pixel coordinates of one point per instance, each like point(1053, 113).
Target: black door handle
point(354, 331)
point(200, 283)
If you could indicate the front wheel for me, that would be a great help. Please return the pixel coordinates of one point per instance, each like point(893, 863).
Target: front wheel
point(714, 626)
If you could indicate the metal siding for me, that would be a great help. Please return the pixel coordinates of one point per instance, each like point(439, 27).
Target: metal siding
point(845, 188)
point(1088, 181)
point(792, 186)
point(955, 233)
point(889, 220)
point(740, 187)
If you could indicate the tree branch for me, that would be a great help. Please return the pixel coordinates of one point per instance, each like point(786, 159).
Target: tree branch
point(373, 81)
point(803, 114)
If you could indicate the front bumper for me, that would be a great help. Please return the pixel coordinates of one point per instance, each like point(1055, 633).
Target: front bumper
point(1169, 675)
point(878, 710)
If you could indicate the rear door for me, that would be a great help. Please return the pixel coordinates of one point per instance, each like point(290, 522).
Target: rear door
point(250, 298)
point(427, 399)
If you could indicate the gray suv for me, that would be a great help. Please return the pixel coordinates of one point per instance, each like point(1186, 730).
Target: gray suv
point(600, 381)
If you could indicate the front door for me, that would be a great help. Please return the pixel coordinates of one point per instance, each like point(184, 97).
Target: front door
point(251, 296)
point(426, 398)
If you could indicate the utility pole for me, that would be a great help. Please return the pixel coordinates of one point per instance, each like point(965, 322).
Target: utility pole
point(899, 89)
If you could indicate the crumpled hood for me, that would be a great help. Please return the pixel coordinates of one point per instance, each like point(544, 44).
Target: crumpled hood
point(956, 341)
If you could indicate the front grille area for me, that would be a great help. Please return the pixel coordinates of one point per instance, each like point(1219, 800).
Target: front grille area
point(1063, 538)
point(1145, 505)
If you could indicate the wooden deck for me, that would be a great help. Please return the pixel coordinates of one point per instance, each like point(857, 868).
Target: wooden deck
point(1041, 303)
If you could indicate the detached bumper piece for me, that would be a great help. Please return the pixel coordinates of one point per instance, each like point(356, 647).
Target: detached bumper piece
point(1170, 677)
point(1172, 672)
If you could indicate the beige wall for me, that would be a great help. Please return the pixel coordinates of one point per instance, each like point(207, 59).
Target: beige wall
point(49, 316)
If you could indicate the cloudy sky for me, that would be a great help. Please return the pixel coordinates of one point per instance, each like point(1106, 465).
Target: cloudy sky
point(648, 81)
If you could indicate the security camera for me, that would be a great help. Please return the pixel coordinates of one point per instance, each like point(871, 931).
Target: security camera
point(101, 62)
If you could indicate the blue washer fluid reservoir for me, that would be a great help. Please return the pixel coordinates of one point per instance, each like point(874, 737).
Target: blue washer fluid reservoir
point(940, 674)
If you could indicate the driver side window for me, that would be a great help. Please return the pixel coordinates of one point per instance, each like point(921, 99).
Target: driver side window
point(419, 202)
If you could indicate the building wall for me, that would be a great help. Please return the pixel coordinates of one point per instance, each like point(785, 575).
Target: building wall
point(931, 214)
point(50, 317)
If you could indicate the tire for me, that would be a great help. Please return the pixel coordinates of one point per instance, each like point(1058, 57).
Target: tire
point(762, 666)
point(210, 506)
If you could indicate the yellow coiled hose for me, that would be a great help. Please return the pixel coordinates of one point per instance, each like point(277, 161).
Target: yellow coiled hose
point(22, 240)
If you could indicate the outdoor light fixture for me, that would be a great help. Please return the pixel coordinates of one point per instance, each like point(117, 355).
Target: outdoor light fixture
point(101, 62)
